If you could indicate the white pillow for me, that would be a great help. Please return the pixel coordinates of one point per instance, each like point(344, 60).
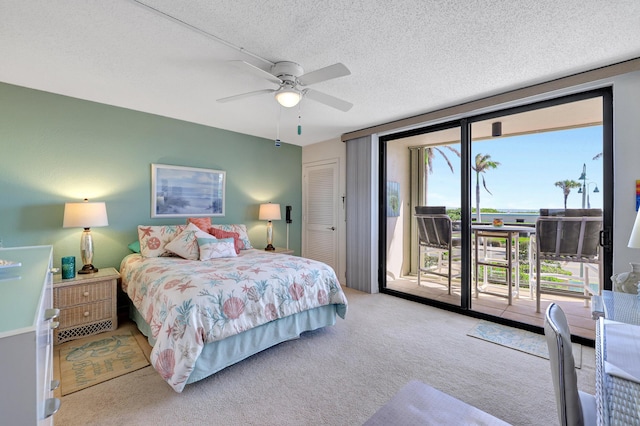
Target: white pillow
point(185, 244)
point(213, 248)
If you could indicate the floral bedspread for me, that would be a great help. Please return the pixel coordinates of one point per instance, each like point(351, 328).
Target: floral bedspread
point(189, 303)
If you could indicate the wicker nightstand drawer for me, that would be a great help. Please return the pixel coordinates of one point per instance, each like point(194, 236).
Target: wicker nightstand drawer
point(87, 304)
point(83, 314)
point(78, 294)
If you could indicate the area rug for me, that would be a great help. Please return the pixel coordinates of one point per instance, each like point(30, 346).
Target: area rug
point(521, 340)
point(96, 359)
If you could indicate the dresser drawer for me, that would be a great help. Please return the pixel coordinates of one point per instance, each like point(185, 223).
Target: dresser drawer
point(26, 322)
point(80, 294)
point(83, 314)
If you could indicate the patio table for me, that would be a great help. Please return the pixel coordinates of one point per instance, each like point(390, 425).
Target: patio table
point(511, 233)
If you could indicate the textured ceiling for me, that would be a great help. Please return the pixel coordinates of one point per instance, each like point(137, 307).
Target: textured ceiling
point(406, 57)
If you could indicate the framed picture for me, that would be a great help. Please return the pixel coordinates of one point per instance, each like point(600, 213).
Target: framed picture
point(186, 191)
point(393, 199)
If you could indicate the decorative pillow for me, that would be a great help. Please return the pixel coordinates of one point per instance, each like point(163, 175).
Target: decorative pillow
point(221, 234)
point(213, 248)
point(204, 223)
point(134, 246)
point(153, 238)
point(240, 229)
point(185, 244)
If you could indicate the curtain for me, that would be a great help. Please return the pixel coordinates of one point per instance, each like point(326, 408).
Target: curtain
point(362, 214)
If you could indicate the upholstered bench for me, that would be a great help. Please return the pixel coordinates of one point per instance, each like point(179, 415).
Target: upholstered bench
point(420, 404)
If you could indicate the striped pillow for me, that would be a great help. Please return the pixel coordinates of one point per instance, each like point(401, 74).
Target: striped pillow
point(221, 234)
point(213, 248)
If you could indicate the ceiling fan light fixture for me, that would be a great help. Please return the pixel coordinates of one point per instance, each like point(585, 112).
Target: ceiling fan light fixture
point(288, 97)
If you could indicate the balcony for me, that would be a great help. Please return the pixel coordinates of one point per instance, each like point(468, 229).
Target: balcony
point(492, 295)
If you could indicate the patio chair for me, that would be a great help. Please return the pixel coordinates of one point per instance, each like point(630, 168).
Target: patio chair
point(435, 239)
point(568, 236)
point(574, 407)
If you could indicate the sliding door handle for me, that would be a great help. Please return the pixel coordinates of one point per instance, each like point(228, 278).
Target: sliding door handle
point(605, 238)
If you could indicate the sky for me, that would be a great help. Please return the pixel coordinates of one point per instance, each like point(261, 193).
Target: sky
point(530, 165)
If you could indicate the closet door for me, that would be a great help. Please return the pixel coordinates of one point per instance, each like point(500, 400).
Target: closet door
point(320, 214)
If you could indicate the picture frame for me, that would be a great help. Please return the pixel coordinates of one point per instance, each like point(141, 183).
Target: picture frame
point(178, 191)
point(393, 199)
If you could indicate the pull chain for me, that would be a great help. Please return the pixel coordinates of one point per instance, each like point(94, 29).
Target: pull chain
point(278, 127)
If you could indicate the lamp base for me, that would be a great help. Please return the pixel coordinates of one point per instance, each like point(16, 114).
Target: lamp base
point(88, 269)
point(270, 247)
point(627, 282)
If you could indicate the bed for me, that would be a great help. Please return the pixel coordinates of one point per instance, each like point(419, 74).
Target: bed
point(201, 316)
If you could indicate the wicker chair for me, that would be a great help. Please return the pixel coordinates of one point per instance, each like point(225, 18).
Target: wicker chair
point(571, 235)
point(435, 238)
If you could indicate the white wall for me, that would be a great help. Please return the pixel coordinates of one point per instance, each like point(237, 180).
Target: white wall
point(333, 149)
point(626, 148)
point(398, 228)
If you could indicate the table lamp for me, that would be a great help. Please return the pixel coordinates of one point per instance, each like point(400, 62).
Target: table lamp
point(628, 282)
point(85, 215)
point(634, 239)
point(269, 212)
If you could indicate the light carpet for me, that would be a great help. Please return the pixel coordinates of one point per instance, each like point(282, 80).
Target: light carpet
point(92, 360)
point(340, 375)
point(520, 340)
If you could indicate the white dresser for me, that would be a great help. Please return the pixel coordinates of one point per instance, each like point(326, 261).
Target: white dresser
point(27, 319)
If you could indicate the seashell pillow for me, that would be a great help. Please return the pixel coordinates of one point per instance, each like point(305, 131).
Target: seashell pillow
point(240, 229)
point(153, 239)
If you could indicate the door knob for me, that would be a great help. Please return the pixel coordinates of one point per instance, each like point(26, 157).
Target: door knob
point(333, 228)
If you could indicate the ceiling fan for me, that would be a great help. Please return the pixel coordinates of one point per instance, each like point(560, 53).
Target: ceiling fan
point(292, 83)
point(290, 77)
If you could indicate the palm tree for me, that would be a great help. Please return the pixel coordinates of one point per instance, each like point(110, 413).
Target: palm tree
point(566, 186)
point(483, 163)
point(429, 154)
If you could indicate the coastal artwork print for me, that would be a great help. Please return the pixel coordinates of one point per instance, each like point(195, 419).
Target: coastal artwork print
point(178, 191)
point(393, 199)
point(637, 195)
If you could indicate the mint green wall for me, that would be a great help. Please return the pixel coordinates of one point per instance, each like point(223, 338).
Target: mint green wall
point(55, 149)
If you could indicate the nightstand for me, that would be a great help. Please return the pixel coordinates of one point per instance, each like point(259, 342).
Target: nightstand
point(281, 250)
point(87, 304)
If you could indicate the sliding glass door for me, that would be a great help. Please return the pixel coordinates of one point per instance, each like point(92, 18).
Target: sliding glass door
point(449, 188)
point(422, 214)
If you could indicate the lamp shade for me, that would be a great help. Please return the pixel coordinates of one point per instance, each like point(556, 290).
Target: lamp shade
point(85, 215)
point(269, 212)
point(634, 240)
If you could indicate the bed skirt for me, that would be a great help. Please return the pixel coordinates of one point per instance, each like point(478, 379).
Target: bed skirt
point(218, 355)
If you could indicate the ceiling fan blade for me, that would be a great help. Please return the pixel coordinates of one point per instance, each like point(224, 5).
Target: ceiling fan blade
point(246, 95)
point(259, 72)
point(329, 100)
point(324, 74)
